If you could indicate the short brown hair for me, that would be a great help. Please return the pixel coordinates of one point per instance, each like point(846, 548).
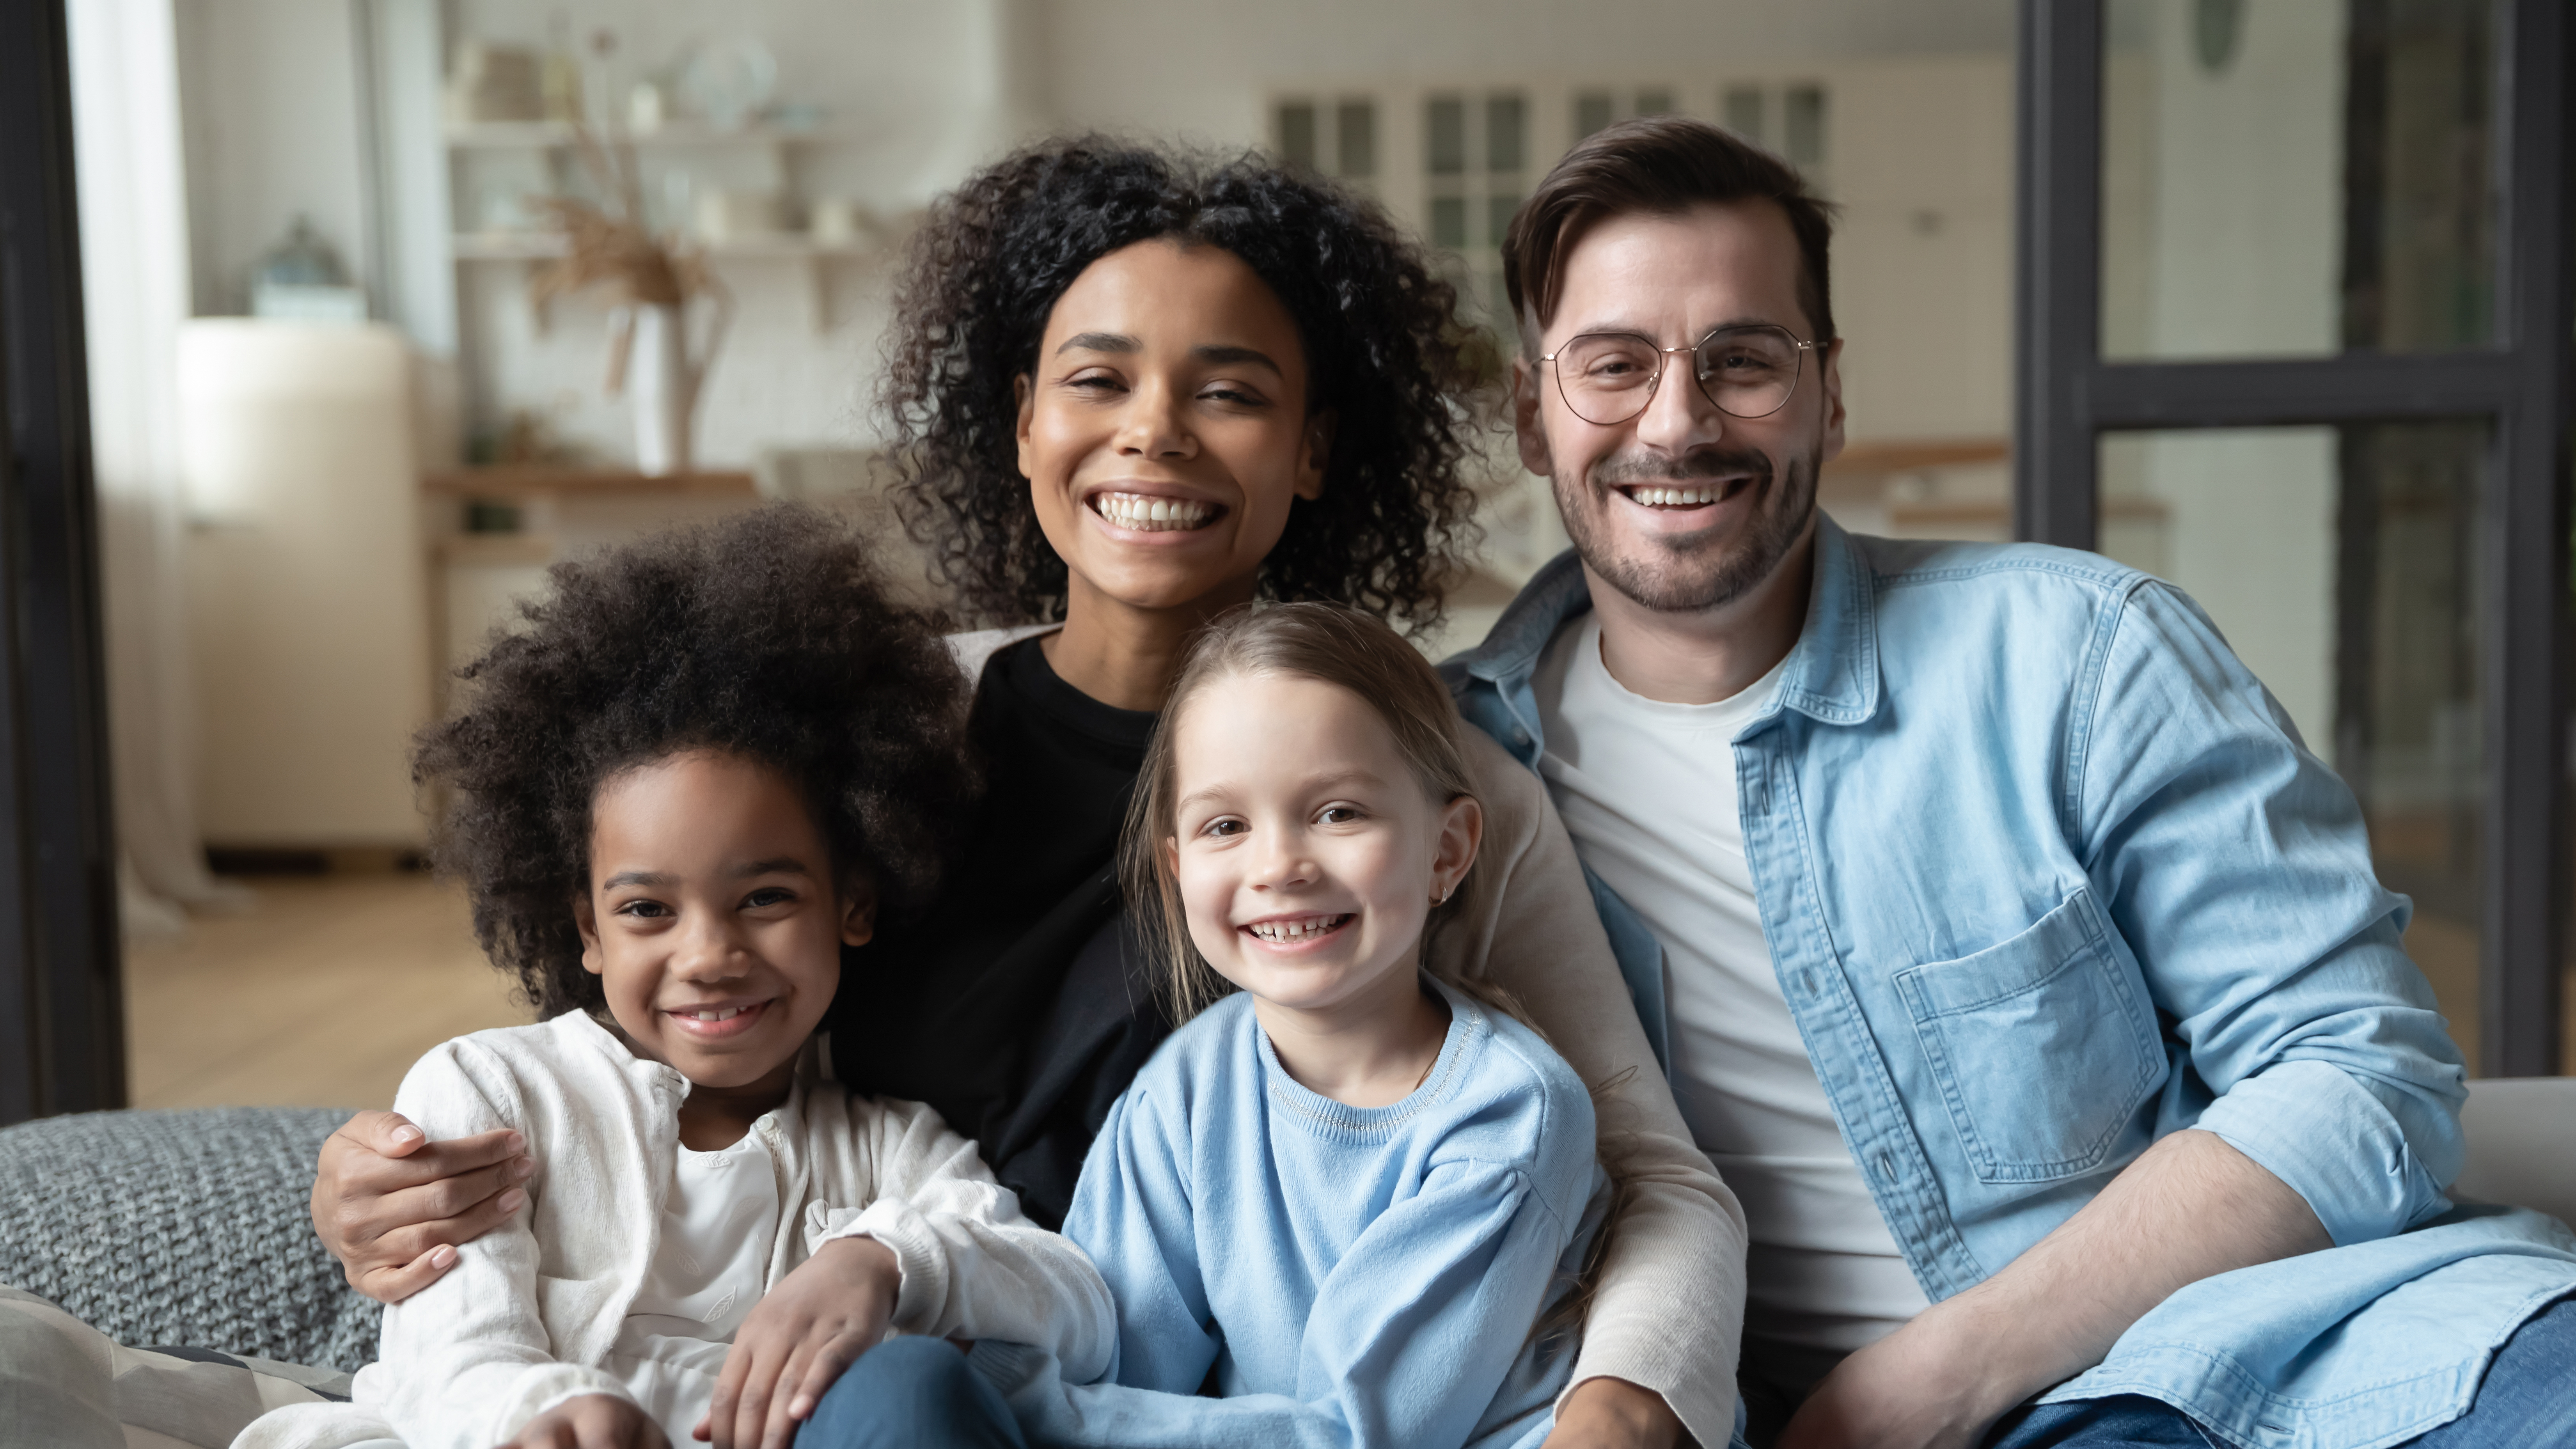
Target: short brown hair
point(1330, 643)
point(1661, 165)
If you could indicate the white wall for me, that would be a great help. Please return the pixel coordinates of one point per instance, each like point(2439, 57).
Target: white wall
point(269, 91)
point(1202, 70)
point(1922, 165)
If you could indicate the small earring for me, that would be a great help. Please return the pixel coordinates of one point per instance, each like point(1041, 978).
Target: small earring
point(1442, 898)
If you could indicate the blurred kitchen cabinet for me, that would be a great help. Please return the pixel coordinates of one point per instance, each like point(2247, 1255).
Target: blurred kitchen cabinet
point(496, 530)
point(482, 579)
point(309, 605)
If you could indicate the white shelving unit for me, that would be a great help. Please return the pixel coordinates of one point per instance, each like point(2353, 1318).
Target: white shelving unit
point(682, 147)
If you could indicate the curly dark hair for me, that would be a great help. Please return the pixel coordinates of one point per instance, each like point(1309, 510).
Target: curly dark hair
point(767, 635)
point(1384, 348)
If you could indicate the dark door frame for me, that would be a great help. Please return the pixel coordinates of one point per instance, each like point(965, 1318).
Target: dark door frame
point(2066, 396)
point(62, 1014)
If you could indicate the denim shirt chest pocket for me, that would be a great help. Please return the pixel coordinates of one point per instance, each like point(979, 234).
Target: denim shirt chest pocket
point(2043, 1046)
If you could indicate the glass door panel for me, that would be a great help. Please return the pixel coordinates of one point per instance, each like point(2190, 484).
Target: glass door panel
point(2340, 562)
point(2296, 177)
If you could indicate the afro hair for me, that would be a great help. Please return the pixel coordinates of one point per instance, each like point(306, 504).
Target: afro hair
point(770, 636)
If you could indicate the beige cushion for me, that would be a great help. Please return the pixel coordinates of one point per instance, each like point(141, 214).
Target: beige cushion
point(65, 1384)
point(2522, 1144)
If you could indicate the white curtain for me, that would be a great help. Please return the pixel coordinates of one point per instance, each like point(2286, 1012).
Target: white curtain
point(134, 263)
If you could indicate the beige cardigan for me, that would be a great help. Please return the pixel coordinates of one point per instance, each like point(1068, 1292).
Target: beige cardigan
point(1670, 1309)
point(532, 1308)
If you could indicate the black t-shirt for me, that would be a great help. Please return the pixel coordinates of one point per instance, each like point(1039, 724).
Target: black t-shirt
point(1017, 1004)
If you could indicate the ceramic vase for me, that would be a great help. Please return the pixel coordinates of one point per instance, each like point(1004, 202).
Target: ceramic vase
point(662, 382)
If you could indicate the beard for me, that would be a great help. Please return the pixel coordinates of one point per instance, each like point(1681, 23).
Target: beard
point(1694, 572)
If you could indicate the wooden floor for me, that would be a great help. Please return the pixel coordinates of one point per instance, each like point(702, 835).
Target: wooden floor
point(323, 995)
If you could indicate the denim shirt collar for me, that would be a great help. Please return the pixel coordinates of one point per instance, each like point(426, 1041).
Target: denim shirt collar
point(1511, 648)
point(1832, 674)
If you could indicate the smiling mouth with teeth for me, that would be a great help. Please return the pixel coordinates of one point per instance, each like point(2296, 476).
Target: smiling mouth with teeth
point(1146, 513)
point(722, 1013)
point(1698, 496)
point(1290, 932)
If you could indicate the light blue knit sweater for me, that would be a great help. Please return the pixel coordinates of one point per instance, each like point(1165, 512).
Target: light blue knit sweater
point(1335, 1275)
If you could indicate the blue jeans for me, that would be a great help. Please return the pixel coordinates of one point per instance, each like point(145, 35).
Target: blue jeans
point(2526, 1401)
point(911, 1393)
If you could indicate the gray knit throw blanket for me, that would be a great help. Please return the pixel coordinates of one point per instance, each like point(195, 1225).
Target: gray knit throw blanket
point(182, 1228)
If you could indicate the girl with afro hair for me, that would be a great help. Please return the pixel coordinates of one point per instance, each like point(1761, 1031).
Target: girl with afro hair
point(1125, 390)
point(708, 764)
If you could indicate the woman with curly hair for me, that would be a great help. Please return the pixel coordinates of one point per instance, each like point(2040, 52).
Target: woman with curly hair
point(1127, 390)
point(1347, 489)
point(707, 766)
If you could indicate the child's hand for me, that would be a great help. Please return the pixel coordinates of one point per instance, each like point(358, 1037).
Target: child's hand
point(591, 1421)
point(814, 1324)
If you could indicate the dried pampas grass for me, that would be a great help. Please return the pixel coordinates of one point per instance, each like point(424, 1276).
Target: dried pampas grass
point(613, 247)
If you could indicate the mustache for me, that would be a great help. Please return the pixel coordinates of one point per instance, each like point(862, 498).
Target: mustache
point(1621, 469)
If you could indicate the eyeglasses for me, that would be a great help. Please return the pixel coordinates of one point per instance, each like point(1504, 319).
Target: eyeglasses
point(1748, 372)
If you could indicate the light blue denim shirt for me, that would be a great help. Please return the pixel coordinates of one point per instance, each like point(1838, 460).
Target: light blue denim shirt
point(2046, 874)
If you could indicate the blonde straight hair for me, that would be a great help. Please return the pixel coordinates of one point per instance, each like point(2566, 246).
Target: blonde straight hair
point(1331, 644)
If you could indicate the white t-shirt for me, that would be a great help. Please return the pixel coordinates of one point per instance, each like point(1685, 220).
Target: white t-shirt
point(709, 1267)
point(1648, 792)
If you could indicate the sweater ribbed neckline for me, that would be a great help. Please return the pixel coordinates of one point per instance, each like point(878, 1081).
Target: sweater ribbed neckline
point(1339, 1121)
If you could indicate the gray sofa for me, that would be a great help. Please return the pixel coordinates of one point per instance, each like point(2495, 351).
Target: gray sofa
point(182, 1228)
point(188, 1229)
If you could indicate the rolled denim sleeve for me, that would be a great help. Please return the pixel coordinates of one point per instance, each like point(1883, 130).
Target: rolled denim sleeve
point(2236, 866)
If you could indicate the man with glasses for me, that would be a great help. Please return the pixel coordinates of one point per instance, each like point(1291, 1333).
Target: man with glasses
point(2010, 957)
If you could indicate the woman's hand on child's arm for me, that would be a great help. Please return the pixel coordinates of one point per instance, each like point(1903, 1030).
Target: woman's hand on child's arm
point(392, 1205)
point(811, 1327)
point(590, 1421)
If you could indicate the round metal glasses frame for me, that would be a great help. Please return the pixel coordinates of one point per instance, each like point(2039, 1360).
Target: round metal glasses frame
point(1699, 370)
